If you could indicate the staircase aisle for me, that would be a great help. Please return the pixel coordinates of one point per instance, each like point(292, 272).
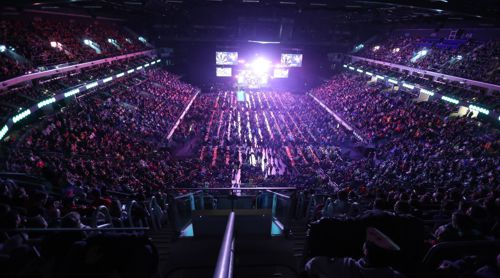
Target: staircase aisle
point(298, 236)
point(162, 240)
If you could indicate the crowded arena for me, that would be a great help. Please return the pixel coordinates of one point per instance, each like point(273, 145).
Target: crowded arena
point(263, 138)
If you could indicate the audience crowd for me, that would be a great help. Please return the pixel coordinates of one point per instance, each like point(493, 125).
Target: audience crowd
point(411, 160)
point(25, 95)
point(464, 57)
point(457, 90)
point(46, 42)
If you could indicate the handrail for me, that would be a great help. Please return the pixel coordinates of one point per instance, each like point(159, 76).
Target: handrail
point(482, 84)
point(231, 189)
point(223, 268)
point(73, 67)
point(187, 194)
point(279, 194)
point(74, 229)
point(14, 119)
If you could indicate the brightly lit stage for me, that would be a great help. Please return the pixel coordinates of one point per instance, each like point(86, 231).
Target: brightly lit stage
point(258, 72)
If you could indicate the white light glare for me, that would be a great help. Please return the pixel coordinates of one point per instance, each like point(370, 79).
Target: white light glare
point(479, 109)
point(21, 116)
point(71, 93)
point(91, 85)
point(46, 102)
point(449, 99)
point(424, 91)
point(393, 81)
point(261, 65)
point(419, 54)
point(3, 131)
point(409, 86)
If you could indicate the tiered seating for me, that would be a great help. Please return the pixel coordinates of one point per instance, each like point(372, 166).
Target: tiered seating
point(106, 135)
point(23, 96)
point(45, 42)
point(268, 138)
point(469, 58)
point(455, 90)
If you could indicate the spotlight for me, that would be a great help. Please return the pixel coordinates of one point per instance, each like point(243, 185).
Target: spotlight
point(53, 44)
point(2, 48)
point(261, 65)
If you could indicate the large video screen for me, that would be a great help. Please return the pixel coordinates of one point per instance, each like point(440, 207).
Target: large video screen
point(280, 73)
point(291, 60)
point(251, 79)
point(226, 58)
point(224, 72)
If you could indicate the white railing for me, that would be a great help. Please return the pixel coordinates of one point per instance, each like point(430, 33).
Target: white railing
point(31, 76)
point(471, 82)
point(224, 267)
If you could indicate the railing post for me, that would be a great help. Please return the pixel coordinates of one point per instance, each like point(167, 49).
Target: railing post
point(202, 201)
point(173, 213)
point(191, 200)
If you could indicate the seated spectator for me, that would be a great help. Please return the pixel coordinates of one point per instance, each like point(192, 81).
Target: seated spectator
point(378, 251)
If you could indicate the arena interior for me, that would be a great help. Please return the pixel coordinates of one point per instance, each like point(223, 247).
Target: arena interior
point(249, 138)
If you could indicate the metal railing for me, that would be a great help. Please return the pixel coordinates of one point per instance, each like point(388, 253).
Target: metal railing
point(182, 206)
point(224, 267)
point(233, 189)
point(43, 230)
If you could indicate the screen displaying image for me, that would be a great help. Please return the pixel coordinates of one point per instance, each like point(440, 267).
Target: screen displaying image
point(226, 58)
point(240, 96)
point(280, 73)
point(291, 60)
point(223, 72)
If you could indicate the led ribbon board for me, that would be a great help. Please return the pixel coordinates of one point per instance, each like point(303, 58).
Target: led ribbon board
point(15, 119)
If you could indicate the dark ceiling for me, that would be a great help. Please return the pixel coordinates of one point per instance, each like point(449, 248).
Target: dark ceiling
point(283, 20)
point(343, 10)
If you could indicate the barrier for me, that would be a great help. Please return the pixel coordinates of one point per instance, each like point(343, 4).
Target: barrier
point(224, 267)
point(61, 96)
point(480, 84)
point(28, 77)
